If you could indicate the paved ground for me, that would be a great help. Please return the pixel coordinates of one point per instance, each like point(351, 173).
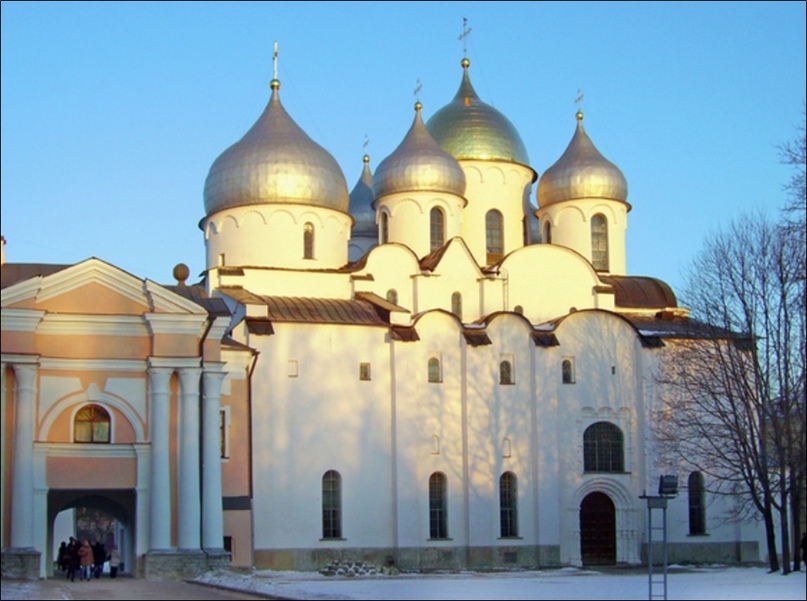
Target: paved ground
point(107, 588)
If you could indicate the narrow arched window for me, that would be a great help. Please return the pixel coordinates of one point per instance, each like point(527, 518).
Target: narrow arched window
point(384, 235)
point(505, 373)
point(697, 504)
point(494, 235)
point(599, 242)
point(331, 505)
point(518, 309)
point(438, 506)
point(567, 371)
point(603, 448)
point(392, 296)
point(438, 235)
point(308, 240)
point(547, 233)
point(91, 424)
point(434, 370)
point(456, 304)
point(508, 505)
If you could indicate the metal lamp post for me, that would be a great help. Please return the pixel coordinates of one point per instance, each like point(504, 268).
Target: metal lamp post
point(667, 489)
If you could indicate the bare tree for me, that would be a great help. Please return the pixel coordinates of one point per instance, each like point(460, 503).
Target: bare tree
point(733, 400)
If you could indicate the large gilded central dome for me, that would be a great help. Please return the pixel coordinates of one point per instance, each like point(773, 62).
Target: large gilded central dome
point(275, 162)
point(467, 128)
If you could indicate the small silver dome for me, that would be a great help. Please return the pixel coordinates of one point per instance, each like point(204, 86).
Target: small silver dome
point(275, 163)
point(361, 203)
point(467, 128)
point(419, 164)
point(581, 172)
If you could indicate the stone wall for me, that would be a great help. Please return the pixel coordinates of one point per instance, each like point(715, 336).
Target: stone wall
point(20, 563)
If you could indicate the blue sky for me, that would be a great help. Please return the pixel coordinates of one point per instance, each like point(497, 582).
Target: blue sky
point(112, 113)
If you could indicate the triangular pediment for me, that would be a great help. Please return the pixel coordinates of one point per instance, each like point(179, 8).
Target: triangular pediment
point(95, 287)
point(456, 259)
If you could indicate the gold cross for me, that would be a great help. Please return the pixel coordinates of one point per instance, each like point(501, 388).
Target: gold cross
point(464, 36)
point(274, 58)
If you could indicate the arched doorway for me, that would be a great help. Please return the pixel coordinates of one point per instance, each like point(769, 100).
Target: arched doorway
point(117, 504)
point(597, 530)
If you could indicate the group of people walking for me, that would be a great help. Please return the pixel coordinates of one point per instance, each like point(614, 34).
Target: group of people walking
point(86, 560)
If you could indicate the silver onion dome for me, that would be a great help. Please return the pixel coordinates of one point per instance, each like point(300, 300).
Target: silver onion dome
point(361, 203)
point(581, 172)
point(467, 128)
point(275, 162)
point(418, 164)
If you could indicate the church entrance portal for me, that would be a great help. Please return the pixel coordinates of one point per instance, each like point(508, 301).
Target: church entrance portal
point(116, 504)
point(597, 530)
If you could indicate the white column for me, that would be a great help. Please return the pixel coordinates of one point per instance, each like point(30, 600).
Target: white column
point(22, 483)
point(159, 424)
point(190, 514)
point(212, 510)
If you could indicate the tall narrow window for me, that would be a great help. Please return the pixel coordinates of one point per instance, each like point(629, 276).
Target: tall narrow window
point(547, 233)
point(567, 371)
point(384, 234)
point(508, 505)
point(224, 426)
point(494, 235)
point(697, 504)
point(599, 242)
point(438, 507)
point(456, 304)
point(603, 448)
point(392, 296)
point(434, 370)
point(308, 240)
point(331, 505)
point(91, 425)
point(506, 373)
point(438, 235)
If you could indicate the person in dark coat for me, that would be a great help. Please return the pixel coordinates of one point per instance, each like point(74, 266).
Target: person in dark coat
point(73, 564)
point(98, 558)
point(61, 558)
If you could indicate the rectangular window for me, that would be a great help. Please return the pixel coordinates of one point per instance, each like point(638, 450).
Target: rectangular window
point(364, 371)
point(292, 368)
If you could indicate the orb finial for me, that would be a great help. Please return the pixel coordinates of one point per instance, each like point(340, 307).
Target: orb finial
point(181, 273)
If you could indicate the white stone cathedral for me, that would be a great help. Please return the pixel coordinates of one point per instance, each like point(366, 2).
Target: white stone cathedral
point(428, 372)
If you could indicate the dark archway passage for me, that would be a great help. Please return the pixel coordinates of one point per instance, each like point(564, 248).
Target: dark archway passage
point(119, 504)
point(597, 530)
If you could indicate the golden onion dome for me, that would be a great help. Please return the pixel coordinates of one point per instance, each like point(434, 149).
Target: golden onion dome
point(581, 172)
point(275, 162)
point(418, 164)
point(467, 128)
point(361, 203)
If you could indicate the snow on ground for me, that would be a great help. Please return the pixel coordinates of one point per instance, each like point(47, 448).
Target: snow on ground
point(706, 583)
